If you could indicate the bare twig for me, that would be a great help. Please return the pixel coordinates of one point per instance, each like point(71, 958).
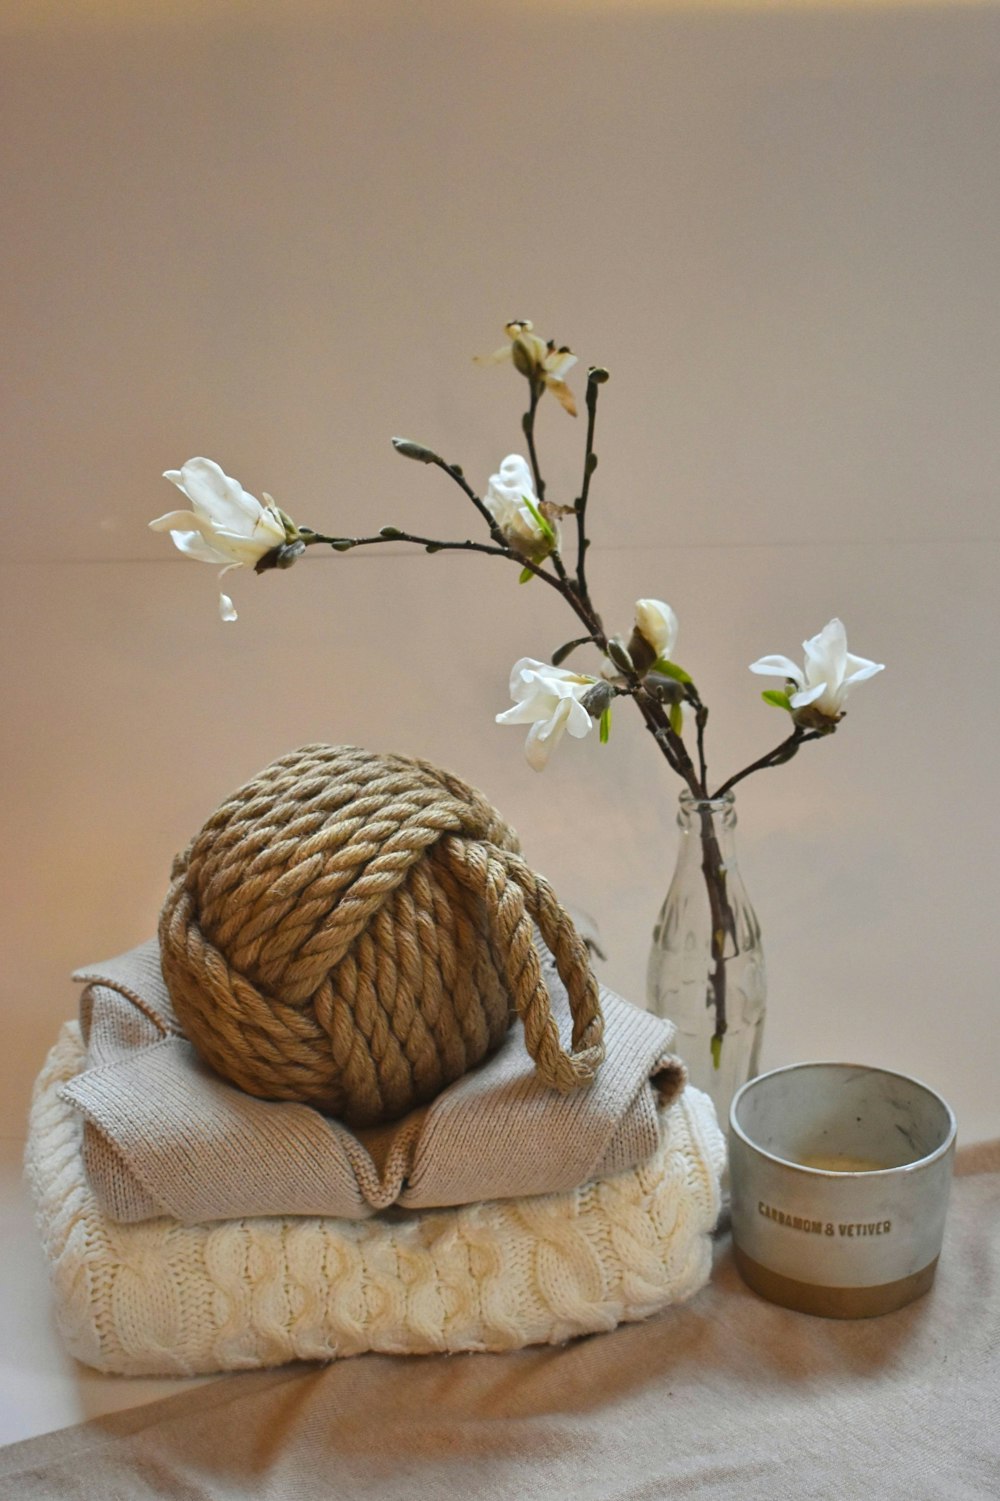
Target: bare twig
point(777, 757)
point(595, 379)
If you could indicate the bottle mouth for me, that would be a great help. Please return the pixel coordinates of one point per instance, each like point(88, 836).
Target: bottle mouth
point(692, 804)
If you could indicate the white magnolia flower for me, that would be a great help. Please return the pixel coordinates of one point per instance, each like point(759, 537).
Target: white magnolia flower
point(830, 670)
point(538, 359)
point(549, 699)
point(657, 625)
point(654, 635)
point(510, 500)
point(225, 525)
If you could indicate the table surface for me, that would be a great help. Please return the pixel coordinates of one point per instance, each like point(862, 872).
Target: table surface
point(723, 1395)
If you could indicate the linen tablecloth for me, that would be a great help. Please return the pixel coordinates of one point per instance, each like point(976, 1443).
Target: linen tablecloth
point(723, 1397)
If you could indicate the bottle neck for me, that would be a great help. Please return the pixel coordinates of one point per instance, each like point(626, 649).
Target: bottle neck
point(707, 818)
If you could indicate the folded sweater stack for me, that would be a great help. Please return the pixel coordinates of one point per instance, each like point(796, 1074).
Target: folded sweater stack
point(192, 1228)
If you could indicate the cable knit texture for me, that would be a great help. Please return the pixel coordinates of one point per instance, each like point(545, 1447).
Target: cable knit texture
point(355, 931)
point(160, 1298)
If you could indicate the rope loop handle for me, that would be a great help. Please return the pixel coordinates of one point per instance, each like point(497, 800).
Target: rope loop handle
point(517, 899)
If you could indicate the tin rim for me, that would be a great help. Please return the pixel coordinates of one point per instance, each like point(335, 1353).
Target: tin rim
point(822, 1172)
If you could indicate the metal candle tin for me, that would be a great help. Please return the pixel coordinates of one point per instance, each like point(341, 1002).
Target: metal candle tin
point(839, 1177)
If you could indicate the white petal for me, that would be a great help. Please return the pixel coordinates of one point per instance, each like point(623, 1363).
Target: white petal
point(175, 521)
point(809, 696)
point(503, 509)
point(527, 713)
point(493, 359)
point(833, 636)
point(537, 749)
point(826, 654)
point(522, 673)
point(270, 520)
point(505, 498)
point(778, 667)
point(194, 545)
point(578, 721)
point(858, 669)
point(567, 685)
point(238, 548)
point(544, 736)
point(227, 609)
point(215, 497)
point(516, 472)
point(559, 363)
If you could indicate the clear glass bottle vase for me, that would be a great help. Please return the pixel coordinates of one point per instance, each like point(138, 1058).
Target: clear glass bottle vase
point(706, 964)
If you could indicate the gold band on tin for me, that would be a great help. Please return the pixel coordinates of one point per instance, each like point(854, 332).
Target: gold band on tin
point(833, 1302)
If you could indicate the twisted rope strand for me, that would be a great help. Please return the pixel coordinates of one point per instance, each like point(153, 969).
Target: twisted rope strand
point(356, 931)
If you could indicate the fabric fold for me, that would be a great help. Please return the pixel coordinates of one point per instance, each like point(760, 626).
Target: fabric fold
point(164, 1135)
point(160, 1298)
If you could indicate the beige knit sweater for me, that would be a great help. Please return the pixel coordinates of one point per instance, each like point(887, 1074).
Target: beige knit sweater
point(161, 1298)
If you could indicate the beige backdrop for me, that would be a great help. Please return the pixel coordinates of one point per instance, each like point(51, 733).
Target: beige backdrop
point(277, 240)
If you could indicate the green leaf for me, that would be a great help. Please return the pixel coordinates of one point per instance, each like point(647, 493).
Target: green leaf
point(671, 670)
point(777, 698)
point(677, 719)
point(605, 726)
point(527, 574)
point(540, 521)
point(716, 1052)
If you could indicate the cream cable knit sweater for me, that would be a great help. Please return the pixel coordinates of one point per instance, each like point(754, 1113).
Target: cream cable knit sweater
point(159, 1298)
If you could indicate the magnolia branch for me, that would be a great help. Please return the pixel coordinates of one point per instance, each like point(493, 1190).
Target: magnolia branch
point(227, 524)
point(631, 681)
point(777, 757)
point(595, 380)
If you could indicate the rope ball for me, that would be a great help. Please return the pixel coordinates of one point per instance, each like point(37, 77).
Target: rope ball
point(355, 931)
